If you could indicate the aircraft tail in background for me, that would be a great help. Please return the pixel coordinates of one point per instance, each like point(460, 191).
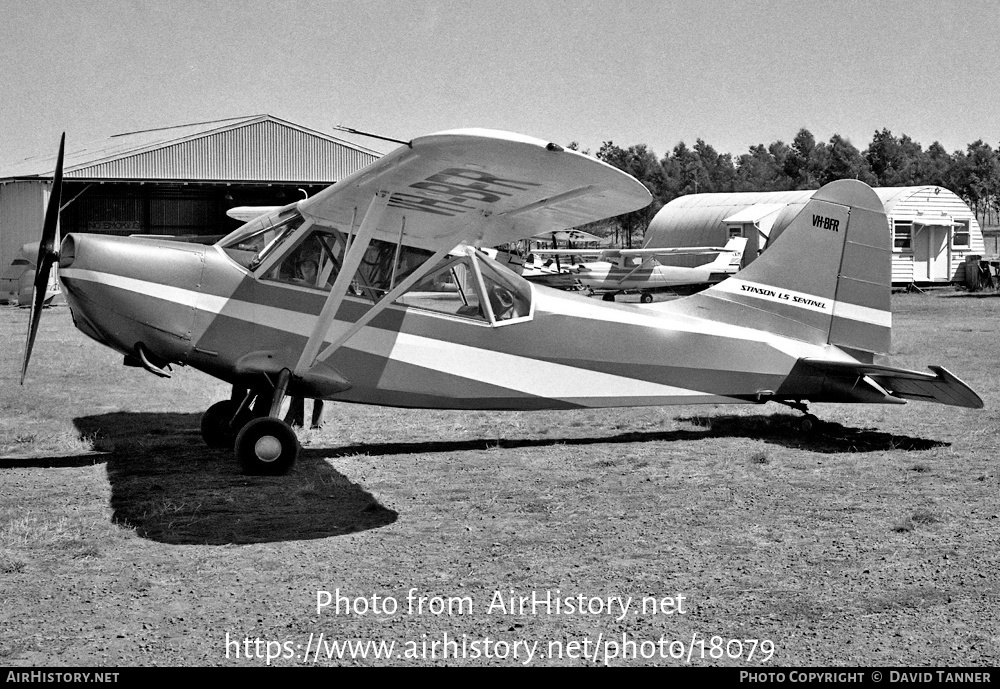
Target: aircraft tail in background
point(729, 260)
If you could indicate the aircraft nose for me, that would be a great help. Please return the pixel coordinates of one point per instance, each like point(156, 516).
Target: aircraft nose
point(127, 291)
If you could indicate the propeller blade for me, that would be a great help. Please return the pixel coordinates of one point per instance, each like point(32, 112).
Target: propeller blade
point(47, 255)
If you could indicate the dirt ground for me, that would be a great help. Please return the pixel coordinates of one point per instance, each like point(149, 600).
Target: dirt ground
point(698, 536)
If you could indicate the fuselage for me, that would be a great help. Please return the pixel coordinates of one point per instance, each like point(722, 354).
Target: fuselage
point(193, 304)
point(604, 275)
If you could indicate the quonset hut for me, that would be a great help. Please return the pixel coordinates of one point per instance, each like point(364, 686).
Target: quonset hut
point(177, 181)
point(933, 229)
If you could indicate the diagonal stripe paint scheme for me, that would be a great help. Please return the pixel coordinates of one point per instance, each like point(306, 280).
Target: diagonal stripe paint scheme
point(546, 371)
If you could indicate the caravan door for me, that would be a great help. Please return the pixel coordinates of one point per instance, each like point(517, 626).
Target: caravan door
point(931, 258)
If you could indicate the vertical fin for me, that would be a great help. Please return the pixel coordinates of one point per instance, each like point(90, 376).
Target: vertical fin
point(826, 278)
point(730, 259)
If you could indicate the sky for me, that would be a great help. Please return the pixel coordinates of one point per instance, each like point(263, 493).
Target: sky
point(733, 73)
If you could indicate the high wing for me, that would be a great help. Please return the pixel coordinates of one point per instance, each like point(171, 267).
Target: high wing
point(479, 187)
point(568, 236)
point(476, 187)
point(248, 213)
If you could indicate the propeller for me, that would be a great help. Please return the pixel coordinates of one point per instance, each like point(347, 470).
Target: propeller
point(47, 255)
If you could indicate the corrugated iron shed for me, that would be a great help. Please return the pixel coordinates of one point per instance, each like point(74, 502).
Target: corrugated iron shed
point(258, 148)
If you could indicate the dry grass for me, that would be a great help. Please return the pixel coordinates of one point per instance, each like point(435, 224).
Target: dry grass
point(123, 541)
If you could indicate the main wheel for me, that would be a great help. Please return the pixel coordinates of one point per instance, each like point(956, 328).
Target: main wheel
point(808, 424)
point(267, 446)
point(218, 428)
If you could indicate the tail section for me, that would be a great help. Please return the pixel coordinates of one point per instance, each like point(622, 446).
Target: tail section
point(729, 261)
point(826, 278)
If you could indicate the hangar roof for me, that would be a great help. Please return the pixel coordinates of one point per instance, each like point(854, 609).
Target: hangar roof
point(257, 148)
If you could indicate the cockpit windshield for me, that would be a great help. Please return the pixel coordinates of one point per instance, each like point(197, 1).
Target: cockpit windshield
point(253, 242)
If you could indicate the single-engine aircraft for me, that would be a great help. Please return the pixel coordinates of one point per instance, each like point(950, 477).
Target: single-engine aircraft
point(640, 270)
point(374, 291)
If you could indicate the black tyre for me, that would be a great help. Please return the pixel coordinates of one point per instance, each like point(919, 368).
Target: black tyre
point(809, 424)
point(267, 446)
point(646, 298)
point(608, 296)
point(218, 428)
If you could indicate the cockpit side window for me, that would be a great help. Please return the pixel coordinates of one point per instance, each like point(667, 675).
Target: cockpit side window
point(314, 261)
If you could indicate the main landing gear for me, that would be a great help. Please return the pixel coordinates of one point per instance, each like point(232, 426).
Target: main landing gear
point(807, 424)
point(262, 442)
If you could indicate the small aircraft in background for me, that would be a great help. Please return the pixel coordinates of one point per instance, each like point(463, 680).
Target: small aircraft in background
point(373, 291)
point(642, 270)
point(19, 279)
point(551, 271)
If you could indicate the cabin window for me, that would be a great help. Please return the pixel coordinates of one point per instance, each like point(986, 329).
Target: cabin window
point(902, 236)
point(472, 286)
point(384, 266)
point(735, 231)
point(451, 288)
point(313, 261)
point(960, 238)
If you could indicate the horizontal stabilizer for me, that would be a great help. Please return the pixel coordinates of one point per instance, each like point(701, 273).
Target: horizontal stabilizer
point(940, 386)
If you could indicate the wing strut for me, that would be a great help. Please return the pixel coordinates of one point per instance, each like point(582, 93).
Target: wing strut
point(352, 259)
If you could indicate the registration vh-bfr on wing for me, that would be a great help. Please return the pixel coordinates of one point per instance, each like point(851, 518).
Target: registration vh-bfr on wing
point(375, 291)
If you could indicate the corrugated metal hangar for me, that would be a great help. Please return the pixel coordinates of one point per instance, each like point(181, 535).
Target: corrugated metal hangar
point(933, 230)
point(175, 180)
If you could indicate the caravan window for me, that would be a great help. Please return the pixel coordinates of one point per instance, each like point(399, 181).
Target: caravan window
point(960, 235)
point(903, 236)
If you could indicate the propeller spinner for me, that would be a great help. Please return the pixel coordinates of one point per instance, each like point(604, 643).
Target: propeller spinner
point(47, 255)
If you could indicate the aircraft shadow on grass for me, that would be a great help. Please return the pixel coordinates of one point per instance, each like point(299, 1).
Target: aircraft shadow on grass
point(777, 429)
point(170, 488)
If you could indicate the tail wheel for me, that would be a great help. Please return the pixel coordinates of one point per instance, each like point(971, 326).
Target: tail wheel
point(267, 446)
point(219, 428)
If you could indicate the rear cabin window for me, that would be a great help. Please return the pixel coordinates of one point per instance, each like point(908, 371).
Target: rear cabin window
point(472, 286)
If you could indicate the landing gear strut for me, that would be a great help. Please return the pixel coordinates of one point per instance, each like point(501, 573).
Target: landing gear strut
point(265, 445)
point(809, 423)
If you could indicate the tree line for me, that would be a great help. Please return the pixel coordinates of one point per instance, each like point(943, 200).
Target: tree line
point(888, 161)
